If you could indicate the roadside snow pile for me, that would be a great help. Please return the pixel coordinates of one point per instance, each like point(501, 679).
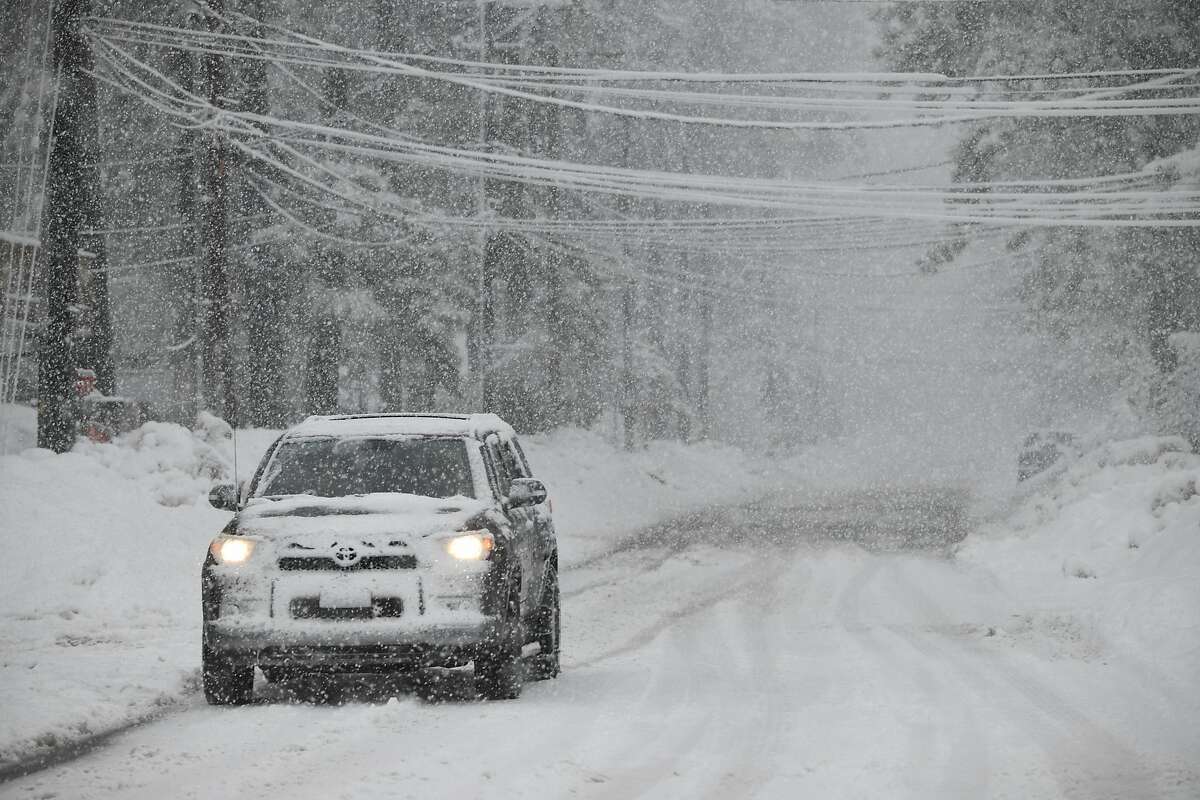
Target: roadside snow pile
point(1113, 541)
point(169, 463)
point(99, 586)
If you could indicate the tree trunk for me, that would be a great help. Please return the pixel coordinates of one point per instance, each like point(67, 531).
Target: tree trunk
point(189, 370)
point(64, 214)
point(703, 359)
point(322, 371)
point(628, 379)
point(629, 291)
point(557, 405)
point(481, 326)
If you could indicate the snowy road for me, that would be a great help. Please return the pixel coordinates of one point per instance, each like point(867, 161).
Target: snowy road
point(773, 651)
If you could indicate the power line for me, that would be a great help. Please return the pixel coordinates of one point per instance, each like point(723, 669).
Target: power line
point(315, 52)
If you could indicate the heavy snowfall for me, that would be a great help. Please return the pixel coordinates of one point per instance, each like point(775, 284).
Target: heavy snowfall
point(852, 348)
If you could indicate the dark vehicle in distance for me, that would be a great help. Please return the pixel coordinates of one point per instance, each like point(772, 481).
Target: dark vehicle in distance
point(1042, 450)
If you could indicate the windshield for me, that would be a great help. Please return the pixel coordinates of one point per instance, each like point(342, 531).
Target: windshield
point(340, 467)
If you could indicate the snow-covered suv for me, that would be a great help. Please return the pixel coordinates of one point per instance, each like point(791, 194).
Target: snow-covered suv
point(384, 542)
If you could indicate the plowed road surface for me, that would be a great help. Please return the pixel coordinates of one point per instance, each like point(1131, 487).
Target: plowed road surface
point(789, 649)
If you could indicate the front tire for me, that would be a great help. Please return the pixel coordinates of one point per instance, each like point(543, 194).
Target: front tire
point(499, 673)
point(547, 626)
point(225, 682)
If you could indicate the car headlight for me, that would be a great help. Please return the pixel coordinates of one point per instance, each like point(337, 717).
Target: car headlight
point(471, 546)
point(231, 549)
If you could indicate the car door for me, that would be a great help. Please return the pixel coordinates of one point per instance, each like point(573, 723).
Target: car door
point(520, 518)
point(543, 522)
point(538, 519)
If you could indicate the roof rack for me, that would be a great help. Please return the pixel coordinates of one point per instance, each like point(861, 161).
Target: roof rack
point(477, 425)
point(386, 414)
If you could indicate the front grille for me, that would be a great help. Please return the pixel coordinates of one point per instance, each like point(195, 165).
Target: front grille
point(310, 608)
point(317, 563)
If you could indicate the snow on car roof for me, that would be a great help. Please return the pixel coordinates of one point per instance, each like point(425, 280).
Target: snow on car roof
point(473, 425)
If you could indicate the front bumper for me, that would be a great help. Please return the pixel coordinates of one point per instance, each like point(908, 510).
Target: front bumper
point(350, 646)
point(268, 618)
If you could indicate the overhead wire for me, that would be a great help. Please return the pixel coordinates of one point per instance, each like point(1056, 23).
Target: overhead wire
point(375, 62)
point(1017, 206)
point(190, 111)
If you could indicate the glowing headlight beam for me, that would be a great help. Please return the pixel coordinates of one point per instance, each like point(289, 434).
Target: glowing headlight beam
point(474, 546)
point(232, 550)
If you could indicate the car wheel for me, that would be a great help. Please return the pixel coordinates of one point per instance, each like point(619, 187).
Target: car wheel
point(226, 683)
point(499, 672)
point(547, 625)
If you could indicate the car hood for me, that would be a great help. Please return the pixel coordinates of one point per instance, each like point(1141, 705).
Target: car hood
point(301, 517)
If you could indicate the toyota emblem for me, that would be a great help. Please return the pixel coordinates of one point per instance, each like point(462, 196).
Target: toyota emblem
point(345, 555)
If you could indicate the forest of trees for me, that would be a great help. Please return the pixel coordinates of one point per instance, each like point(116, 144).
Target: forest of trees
point(1124, 300)
point(333, 307)
point(369, 276)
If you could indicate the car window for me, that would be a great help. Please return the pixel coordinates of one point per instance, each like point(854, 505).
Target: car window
point(512, 459)
point(502, 466)
point(336, 467)
point(522, 459)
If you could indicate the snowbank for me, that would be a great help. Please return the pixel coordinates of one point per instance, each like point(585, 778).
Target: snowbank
point(99, 587)
point(1111, 548)
point(99, 577)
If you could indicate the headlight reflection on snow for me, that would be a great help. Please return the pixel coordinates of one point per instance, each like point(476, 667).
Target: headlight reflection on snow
point(232, 550)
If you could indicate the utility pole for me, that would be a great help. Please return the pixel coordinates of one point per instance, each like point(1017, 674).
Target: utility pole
point(218, 357)
point(64, 215)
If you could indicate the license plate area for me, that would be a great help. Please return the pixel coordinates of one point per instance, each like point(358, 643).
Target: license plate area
point(376, 608)
point(373, 594)
point(344, 594)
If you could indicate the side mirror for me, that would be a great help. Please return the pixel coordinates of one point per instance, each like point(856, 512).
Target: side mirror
point(223, 496)
point(526, 492)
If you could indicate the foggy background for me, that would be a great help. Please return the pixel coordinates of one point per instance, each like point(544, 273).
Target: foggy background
point(923, 360)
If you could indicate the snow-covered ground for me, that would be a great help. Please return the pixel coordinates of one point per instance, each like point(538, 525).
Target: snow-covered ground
point(1104, 555)
point(99, 587)
point(783, 644)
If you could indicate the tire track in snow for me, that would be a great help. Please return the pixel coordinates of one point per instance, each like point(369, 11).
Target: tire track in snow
point(736, 582)
point(620, 567)
point(695, 733)
point(965, 770)
point(675, 733)
point(759, 625)
point(1086, 761)
point(923, 737)
point(85, 745)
